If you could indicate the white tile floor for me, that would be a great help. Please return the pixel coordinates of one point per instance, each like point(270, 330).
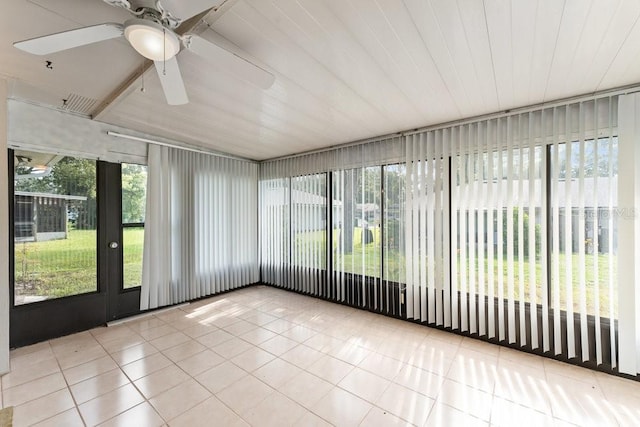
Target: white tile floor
point(266, 357)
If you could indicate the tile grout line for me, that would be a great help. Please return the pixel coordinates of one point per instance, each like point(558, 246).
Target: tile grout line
point(302, 316)
point(119, 368)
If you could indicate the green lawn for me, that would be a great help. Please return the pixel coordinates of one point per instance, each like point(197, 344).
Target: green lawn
point(64, 267)
point(59, 268)
point(362, 259)
point(133, 243)
point(576, 267)
point(365, 259)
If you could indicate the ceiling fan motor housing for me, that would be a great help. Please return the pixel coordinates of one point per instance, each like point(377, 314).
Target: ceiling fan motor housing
point(119, 3)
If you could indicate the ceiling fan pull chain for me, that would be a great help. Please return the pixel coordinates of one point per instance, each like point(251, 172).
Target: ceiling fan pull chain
point(164, 53)
point(142, 76)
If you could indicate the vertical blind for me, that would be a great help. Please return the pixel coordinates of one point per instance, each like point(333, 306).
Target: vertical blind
point(513, 276)
point(502, 228)
point(496, 197)
point(308, 204)
point(320, 223)
point(427, 225)
point(201, 227)
point(275, 228)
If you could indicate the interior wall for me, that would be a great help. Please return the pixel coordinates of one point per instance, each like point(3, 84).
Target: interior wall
point(4, 234)
point(33, 127)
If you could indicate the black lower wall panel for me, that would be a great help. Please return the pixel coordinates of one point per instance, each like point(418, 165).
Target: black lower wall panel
point(32, 323)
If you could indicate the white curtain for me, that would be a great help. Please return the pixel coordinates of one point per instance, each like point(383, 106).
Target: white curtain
point(201, 226)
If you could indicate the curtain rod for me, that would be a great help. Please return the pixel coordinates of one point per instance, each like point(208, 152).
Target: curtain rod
point(179, 147)
point(624, 90)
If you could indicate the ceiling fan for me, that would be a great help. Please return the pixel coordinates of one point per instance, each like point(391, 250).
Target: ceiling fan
point(151, 33)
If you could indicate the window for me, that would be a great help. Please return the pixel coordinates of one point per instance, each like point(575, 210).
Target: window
point(394, 262)
point(55, 249)
point(499, 198)
point(495, 227)
point(134, 196)
point(309, 221)
point(357, 221)
point(274, 229)
point(584, 226)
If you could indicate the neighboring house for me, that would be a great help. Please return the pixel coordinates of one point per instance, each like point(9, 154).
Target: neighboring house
point(596, 212)
point(308, 211)
point(41, 216)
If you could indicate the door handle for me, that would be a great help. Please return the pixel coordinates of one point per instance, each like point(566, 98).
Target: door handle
point(113, 245)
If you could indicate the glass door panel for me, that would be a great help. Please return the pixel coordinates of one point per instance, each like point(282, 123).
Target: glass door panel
point(55, 227)
point(134, 196)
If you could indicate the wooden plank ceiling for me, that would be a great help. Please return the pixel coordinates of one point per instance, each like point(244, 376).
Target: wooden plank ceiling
point(352, 69)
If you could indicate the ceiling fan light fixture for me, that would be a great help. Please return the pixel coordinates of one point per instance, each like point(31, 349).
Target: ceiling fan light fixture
point(151, 39)
point(40, 170)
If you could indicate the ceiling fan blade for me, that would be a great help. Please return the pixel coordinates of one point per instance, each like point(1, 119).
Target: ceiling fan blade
point(183, 10)
point(171, 81)
point(69, 39)
point(230, 62)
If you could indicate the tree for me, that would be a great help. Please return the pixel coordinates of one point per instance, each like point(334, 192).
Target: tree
point(525, 232)
point(394, 199)
point(77, 177)
point(73, 176)
point(592, 166)
point(32, 184)
point(348, 204)
point(134, 190)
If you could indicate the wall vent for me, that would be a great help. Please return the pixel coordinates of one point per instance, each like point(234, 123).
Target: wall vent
point(79, 104)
